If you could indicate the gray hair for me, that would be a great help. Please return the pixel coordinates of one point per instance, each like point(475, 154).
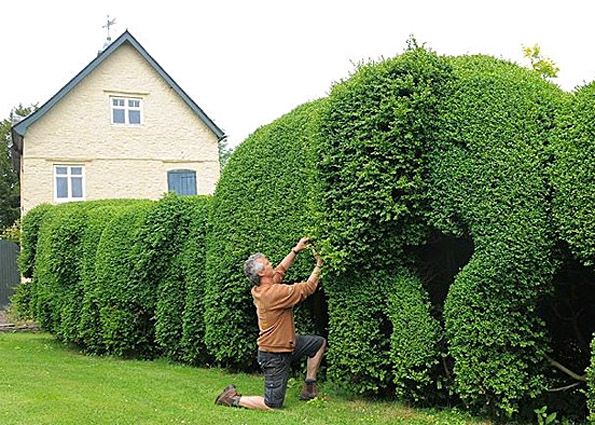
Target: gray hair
point(252, 267)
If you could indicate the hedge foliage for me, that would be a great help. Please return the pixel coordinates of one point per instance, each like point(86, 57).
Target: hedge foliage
point(487, 179)
point(29, 237)
point(405, 149)
point(591, 383)
point(374, 138)
point(112, 276)
point(573, 175)
point(264, 202)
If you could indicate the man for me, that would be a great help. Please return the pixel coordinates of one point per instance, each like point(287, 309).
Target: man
point(278, 345)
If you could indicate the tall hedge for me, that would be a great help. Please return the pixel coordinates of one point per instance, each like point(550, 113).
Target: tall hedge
point(373, 144)
point(177, 227)
point(29, 237)
point(127, 304)
point(89, 327)
point(193, 259)
point(591, 383)
point(573, 175)
point(487, 180)
point(264, 202)
point(53, 265)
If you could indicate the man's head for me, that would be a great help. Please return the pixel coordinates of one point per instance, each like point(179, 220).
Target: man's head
point(256, 266)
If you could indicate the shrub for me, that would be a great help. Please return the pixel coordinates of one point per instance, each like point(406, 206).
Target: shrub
point(89, 326)
point(573, 178)
point(20, 302)
point(374, 138)
point(414, 340)
point(55, 265)
point(591, 383)
point(487, 180)
point(193, 263)
point(126, 303)
point(264, 202)
point(172, 226)
point(30, 235)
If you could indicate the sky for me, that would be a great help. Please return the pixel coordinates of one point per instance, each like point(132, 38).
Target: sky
point(246, 63)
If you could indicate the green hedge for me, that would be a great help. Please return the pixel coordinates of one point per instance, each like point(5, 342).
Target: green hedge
point(591, 383)
point(29, 237)
point(89, 326)
point(115, 276)
point(55, 266)
point(487, 180)
point(374, 138)
point(414, 352)
point(180, 224)
point(126, 304)
point(264, 202)
point(193, 263)
point(573, 175)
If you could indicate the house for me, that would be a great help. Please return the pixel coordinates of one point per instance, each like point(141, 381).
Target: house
point(121, 128)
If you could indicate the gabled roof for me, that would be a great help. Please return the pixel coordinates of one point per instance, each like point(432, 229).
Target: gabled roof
point(21, 128)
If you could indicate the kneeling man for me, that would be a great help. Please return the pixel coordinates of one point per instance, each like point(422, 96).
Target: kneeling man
point(278, 345)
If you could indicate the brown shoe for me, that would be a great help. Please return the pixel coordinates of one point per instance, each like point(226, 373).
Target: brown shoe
point(309, 391)
point(228, 397)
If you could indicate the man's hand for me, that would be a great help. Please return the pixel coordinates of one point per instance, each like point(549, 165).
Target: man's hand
point(318, 258)
point(302, 244)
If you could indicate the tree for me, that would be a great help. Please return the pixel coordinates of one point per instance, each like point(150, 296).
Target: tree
point(224, 152)
point(9, 179)
point(546, 67)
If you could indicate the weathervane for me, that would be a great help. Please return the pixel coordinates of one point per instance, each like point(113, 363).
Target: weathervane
point(109, 23)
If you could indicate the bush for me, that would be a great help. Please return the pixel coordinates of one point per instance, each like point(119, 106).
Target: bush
point(193, 263)
point(414, 350)
point(573, 178)
point(20, 302)
point(264, 202)
point(175, 238)
point(487, 180)
point(55, 265)
point(89, 326)
point(30, 235)
point(591, 383)
point(126, 303)
point(374, 139)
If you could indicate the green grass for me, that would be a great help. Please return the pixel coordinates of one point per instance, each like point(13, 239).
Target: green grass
point(43, 382)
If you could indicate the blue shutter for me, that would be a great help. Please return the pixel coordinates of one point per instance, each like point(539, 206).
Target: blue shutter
point(182, 182)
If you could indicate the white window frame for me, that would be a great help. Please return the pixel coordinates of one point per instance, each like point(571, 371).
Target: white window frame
point(126, 109)
point(69, 177)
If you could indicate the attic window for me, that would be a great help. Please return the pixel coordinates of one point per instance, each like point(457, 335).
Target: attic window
point(126, 110)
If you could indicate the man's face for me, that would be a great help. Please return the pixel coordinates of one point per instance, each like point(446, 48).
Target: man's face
point(267, 270)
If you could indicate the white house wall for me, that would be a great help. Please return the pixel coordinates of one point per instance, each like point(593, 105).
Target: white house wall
point(120, 161)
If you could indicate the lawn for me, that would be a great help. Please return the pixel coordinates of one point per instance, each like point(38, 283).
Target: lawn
point(43, 382)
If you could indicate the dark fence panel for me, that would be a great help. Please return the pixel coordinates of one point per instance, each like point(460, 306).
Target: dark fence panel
point(9, 273)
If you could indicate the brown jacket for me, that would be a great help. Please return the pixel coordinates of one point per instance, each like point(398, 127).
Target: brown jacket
point(274, 308)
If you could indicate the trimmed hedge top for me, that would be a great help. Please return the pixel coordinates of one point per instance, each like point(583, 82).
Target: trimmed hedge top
point(264, 202)
point(573, 175)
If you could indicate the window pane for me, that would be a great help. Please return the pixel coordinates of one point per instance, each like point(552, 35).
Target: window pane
point(182, 182)
point(134, 117)
point(188, 184)
point(115, 102)
point(61, 170)
point(77, 187)
point(62, 187)
point(77, 171)
point(173, 182)
point(133, 103)
point(118, 116)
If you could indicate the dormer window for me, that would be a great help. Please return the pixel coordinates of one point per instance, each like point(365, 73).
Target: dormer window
point(126, 110)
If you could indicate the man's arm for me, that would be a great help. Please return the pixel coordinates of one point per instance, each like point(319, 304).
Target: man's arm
point(286, 263)
point(294, 294)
